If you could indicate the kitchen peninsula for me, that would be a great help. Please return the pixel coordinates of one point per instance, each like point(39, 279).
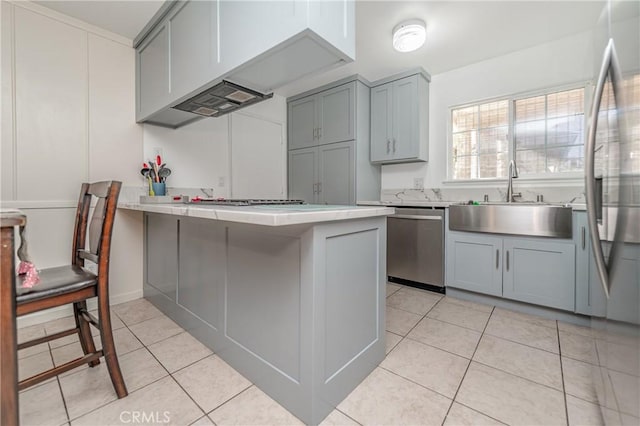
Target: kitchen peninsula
point(291, 296)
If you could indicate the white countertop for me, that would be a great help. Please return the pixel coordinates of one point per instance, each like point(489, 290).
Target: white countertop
point(275, 215)
point(408, 203)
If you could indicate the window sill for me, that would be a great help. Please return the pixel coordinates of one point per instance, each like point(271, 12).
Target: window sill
point(532, 181)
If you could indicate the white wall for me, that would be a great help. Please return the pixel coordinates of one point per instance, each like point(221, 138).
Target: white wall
point(242, 154)
point(68, 116)
point(565, 61)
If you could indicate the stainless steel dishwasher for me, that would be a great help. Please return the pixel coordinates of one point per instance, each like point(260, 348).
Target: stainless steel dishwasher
point(415, 247)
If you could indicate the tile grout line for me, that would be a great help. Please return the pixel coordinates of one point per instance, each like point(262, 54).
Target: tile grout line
point(64, 401)
point(564, 390)
point(129, 393)
point(453, 400)
point(346, 415)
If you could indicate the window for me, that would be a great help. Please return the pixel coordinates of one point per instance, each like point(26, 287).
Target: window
point(549, 132)
point(480, 143)
point(543, 133)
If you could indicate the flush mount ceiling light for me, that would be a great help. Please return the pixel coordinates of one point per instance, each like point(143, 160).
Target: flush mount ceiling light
point(409, 35)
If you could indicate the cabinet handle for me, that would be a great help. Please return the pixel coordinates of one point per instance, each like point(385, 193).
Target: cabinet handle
point(319, 132)
point(497, 258)
point(584, 238)
point(394, 145)
point(507, 260)
point(319, 187)
point(388, 146)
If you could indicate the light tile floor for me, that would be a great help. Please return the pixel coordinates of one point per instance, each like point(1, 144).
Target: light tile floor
point(449, 362)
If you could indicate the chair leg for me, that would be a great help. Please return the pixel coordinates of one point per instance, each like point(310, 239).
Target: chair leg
point(109, 348)
point(86, 340)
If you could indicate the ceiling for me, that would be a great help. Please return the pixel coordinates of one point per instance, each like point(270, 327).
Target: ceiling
point(458, 32)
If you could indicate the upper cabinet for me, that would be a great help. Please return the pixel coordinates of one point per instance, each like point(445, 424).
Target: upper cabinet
point(399, 118)
point(152, 58)
point(328, 132)
point(326, 117)
point(192, 45)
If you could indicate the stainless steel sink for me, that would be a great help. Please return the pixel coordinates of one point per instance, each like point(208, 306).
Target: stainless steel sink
point(535, 219)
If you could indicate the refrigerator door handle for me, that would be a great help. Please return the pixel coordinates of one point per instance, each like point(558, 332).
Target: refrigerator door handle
point(609, 67)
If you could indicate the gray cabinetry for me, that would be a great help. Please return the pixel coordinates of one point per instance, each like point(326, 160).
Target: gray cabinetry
point(326, 117)
point(533, 270)
point(399, 119)
point(303, 174)
point(329, 145)
point(193, 45)
point(324, 174)
point(298, 310)
point(336, 173)
point(539, 271)
point(590, 298)
point(302, 123)
point(201, 258)
point(474, 262)
point(161, 253)
point(153, 71)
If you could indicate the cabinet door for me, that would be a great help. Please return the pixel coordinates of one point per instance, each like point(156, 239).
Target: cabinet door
point(153, 72)
point(193, 43)
point(202, 273)
point(381, 117)
point(161, 245)
point(540, 272)
point(336, 114)
point(302, 123)
point(303, 174)
point(404, 138)
point(624, 293)
point(583, 251)
point(337, 173)
point(474, 262)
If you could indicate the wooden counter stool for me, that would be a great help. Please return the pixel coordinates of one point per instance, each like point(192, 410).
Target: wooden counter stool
point(73, 284)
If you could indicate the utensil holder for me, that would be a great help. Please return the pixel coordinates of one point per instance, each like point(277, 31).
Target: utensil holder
point(159, 188)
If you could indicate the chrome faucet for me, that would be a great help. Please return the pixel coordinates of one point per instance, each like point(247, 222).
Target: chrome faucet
point(513, 174)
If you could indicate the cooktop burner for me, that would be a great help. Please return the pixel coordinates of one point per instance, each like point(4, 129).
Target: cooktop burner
point(241, 202)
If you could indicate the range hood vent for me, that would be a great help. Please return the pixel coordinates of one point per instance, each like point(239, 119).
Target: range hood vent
point(223, 98)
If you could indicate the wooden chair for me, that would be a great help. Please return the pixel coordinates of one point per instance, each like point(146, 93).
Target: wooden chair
point(73, 284)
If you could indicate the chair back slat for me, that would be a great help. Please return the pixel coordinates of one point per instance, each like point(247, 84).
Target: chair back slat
point(95, 231)
point(100, 189)
point(83, 254)
point(95, 227)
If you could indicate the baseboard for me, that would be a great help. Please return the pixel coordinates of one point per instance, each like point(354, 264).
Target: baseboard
point(65, 311)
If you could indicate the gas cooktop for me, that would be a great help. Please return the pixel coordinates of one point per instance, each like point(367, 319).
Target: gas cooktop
point(241, 202)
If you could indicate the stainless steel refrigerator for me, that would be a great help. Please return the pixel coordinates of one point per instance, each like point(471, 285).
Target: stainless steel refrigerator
point(612, 166)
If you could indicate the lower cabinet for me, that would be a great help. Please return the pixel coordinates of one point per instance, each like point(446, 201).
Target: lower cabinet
point(540, 272)
point(533, 270)
point(590, 297)
point(474, 262)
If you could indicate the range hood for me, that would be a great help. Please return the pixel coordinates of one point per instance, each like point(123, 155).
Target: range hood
point(223, 98)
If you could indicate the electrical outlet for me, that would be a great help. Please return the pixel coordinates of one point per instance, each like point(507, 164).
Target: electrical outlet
point(418, 183)
point(221, 181)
